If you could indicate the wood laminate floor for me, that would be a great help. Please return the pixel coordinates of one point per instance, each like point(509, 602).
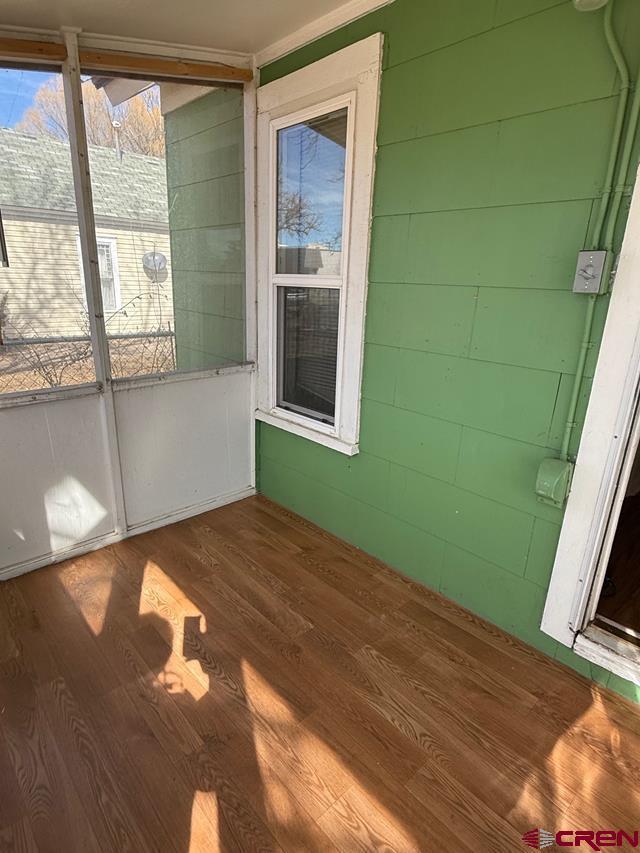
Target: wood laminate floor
point(244, 681)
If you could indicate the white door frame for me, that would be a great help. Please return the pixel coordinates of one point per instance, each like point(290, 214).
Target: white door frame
point(584, 547)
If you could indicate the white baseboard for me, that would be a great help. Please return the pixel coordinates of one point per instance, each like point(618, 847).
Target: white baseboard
point(108, 539)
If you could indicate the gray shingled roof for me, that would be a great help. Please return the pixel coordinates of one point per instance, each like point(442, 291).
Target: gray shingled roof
point(36, 172)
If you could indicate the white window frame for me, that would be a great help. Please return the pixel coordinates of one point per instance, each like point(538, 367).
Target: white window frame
point(351, 78)
point(112, 242)
point(601, 467)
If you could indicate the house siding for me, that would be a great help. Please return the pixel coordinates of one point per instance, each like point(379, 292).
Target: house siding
point(45, 287)
point(495, 121)
point(205, 182)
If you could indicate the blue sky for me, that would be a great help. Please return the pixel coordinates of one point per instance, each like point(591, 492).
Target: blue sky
point(17, 88)
point(317, 173)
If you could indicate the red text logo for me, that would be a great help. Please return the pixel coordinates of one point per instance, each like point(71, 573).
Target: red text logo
point(587, 838)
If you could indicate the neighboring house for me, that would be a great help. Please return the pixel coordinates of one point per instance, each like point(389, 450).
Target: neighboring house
point(44, 282)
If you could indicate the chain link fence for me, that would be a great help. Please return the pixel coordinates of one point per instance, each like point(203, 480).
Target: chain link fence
point(30, 364)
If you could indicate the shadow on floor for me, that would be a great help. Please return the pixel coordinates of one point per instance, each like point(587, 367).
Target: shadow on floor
point(242, 681)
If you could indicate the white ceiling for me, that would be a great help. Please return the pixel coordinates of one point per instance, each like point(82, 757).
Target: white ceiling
point(242, 25)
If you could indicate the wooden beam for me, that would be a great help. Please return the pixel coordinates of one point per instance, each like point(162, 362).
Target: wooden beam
point(154, 67)
point(32, 51)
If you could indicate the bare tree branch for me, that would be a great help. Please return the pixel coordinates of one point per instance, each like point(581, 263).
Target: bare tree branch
point(141, 124)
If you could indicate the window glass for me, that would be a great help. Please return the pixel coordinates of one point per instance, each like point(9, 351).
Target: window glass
point(44, 324)
point(107, 275)
point(167, 175)
point(308, 350)
point(310, 195)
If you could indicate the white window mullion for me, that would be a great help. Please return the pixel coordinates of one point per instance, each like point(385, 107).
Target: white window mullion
point(89, 250)
point(84, 204)
point(306, 281)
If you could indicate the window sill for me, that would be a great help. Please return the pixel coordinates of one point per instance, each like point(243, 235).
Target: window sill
point(127, 383)
point(47, 395)
point(306, 428)
point(610, 652)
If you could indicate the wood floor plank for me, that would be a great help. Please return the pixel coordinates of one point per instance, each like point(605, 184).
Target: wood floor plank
point(361, 827)
point(262, 598)
point(103, 798)
point(143, 769)
point(243, 680)
point(272, 798)
point(17, 837)
point(468, 818)
point(260, 713)
point(12, 806)
point(53, 808)
point(572, 713)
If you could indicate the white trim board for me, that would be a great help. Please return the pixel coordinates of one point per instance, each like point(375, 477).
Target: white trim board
point(127, 383)
point(350, 79)
point(311, 432)
point(601, 454)
point(610, 652)
point(314, 30)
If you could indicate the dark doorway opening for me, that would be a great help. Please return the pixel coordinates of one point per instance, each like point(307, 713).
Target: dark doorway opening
point(619, 605)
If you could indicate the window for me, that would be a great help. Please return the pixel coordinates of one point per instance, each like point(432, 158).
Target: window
point(109, 274)
point(161, 234)
point(45, 341)
point(310, 181)
point(107, 263)
point(167, 176)
point(308, 350)
point(310, 195)
point(316, 149)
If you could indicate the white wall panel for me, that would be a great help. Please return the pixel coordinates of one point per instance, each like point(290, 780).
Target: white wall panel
point(184, 444)
point(56, 490)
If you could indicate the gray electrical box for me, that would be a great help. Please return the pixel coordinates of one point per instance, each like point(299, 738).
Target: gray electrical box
point(588, 278)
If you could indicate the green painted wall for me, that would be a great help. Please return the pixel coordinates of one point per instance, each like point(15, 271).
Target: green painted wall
point(205, 183)
point(494, 129)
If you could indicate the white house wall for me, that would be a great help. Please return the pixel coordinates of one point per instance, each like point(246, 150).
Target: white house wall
point(44, 280)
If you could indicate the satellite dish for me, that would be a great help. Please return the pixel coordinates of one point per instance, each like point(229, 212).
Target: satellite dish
point(154, 263)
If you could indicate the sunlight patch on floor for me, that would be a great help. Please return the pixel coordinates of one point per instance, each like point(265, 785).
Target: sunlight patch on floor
point(161, 596)
point(89, 585)
point(205, 834)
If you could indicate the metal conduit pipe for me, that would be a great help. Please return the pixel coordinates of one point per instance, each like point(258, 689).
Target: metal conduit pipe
point(610, 215)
